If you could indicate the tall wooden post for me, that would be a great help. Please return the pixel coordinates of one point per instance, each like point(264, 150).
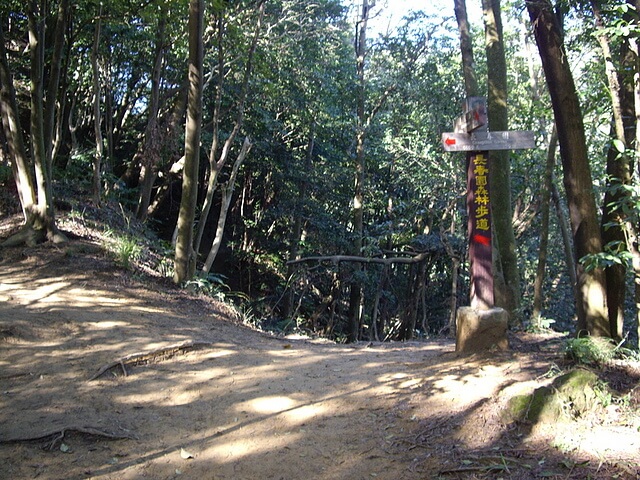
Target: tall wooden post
point(479, 228)
point(481, 326)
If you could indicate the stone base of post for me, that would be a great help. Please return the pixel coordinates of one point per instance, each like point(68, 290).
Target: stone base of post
point(481, 330)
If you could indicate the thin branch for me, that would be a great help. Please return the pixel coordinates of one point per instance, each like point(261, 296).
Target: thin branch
point(352, 258)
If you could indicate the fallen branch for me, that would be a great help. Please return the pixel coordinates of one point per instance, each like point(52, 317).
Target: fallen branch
point(144, 358)
point(352, 258)
point(55, 437)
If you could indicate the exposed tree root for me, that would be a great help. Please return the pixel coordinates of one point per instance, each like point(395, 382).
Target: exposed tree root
point(55, 437)
point(144, 358)
point(30, 236)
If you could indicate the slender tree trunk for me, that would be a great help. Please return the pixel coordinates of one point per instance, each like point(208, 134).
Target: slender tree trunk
point(97, 117)
point(633, 236)
point(377, 325)
point(298, 218)
point(545, 196)
point(224, 207)
point(466, 47)
point(591, 304)
point(54, 80)
point(38, 148)
point(417, 280)
point(36, 195)
point(13, 134)
point(149, 156)
point(502, 213)
point(567, 242)
point(355, 296)
point(185, 258)
point(215, 166)
point(618, 171)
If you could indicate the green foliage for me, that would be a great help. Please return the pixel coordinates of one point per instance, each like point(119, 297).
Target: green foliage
point(540, 325)
point(302, 87)
point(214, 285)
point(5, 174)
point(598, 351)
point(125, 249)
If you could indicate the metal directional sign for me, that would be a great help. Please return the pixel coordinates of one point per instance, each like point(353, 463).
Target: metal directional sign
point(485, 141)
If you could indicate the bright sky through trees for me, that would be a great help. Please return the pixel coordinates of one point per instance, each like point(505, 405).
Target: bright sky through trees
point(391, 12)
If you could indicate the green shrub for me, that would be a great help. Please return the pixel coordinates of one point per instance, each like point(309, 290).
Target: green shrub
point(127, 251)
point(593, 351)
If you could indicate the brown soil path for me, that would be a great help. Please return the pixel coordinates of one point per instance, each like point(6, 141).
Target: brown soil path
point(207, 398)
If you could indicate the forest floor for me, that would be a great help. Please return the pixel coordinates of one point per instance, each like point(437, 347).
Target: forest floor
point(109, 374)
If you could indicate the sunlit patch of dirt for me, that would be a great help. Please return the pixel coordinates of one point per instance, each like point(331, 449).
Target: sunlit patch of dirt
point(103, 375)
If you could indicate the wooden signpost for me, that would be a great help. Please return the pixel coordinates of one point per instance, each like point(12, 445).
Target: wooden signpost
point(472, 136)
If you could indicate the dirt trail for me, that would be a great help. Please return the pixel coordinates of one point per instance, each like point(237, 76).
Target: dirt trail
point(207, 398)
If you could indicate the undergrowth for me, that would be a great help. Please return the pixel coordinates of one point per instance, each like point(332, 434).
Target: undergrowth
point(598, 351)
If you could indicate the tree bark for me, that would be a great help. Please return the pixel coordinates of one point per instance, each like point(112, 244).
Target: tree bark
point(591, 303)
point(502, 213)
point(149, 155)
point(466, 48)
point(97, 117)
point(618, 171)
point(298, 218)
point(357, 214)
point(545, 201)
point(633, 238)
point(54, 80)
point(185, 258)
point(13, 133)
point(33, 178)
point(216, 165)
point(224, 207)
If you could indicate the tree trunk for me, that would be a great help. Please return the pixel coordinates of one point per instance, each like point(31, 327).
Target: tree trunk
point(591, 288)
point(298, 217)
point(633, 237)
point(34, 186)
point(618, 172)
point(149, 155)
point(567, 242)
point(502, 213)
point(224, 207)
point(355, 296)
point(377, 323)
point(215, 166)
point(54, 81)
point(13, 134)
point(185, 259)
point(466, 47)
point(97, 117)
point(38, 149)
point(545, 197)
point(417, 280)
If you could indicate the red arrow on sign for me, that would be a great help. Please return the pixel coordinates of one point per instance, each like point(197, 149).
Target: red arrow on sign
point(450, 141)
point(481, 239)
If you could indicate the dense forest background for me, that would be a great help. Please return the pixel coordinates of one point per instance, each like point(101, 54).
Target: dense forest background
point(321, 190)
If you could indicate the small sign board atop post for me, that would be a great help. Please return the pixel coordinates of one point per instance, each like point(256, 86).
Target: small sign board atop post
point(474, 116)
